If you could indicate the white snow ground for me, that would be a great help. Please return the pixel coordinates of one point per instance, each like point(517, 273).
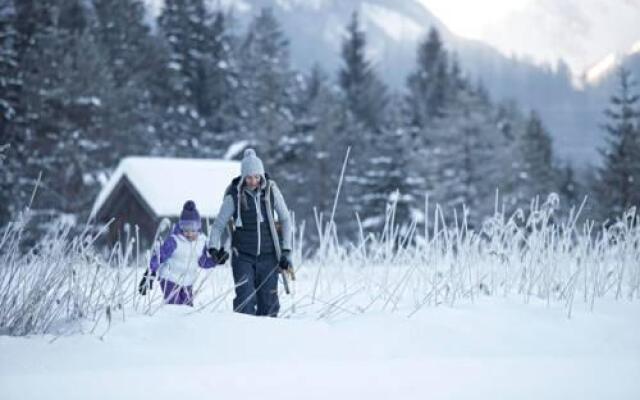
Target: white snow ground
point(493, 349)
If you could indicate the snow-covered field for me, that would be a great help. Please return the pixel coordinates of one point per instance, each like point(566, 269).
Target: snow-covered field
point(494, 348)
point(524, 309)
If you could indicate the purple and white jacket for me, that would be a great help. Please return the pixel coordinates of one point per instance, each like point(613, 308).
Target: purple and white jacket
point(179, 258)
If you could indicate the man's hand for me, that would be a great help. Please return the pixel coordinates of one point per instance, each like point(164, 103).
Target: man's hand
point(285, 260)
point(219, 256)
point(146, 283)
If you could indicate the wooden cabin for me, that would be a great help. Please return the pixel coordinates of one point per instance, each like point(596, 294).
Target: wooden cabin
point(144, 190)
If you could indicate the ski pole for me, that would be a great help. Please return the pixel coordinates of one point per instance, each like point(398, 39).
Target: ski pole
point(285, 282)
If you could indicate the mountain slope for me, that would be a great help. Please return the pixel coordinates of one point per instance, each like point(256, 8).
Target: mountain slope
point(395, 27)
point(578, 31)
point(602, 74)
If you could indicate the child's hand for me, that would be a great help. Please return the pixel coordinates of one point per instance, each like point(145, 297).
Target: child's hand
point(146, 283)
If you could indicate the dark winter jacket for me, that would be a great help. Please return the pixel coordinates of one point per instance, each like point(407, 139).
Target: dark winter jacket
point(253, 225)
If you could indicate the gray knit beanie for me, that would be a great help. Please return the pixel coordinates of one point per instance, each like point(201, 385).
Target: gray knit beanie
point(251, 164)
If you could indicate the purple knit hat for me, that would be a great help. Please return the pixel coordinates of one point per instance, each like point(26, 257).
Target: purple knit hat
point(190, 217)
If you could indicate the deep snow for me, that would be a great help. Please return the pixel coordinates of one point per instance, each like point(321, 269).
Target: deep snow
point(495, 348)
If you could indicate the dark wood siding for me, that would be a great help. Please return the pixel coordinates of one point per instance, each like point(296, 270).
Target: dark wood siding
point(125, 206)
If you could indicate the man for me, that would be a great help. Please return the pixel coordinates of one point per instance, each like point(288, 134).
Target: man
point(258, 252)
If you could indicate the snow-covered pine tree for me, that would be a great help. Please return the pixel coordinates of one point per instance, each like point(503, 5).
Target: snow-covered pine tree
point(365, 99)
point(388, 185)
point(9, 96)
point(426, 100)
point(618, 182)
point(464, 147)
point(571, 191)
point(536, 174)
point(9, 79)
point(366, 95)
point(121, 30)
point(67, 107)
point(33, 21)
point(266, 89)
point(469, 152)
point(21, 21)
point(136, 61)
point(224, 80)
point(278, 111)
point(68, 104)
point(429, 84)
point(183, 129)
point(185, 24)
point(313, 160)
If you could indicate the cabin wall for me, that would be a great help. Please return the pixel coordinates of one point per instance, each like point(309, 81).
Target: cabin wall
point(126, 207)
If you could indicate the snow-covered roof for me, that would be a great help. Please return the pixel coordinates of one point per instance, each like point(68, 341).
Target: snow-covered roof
point(166, 183)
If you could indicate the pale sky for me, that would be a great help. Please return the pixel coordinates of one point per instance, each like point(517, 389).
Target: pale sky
point(582, 32)
point(470, 18)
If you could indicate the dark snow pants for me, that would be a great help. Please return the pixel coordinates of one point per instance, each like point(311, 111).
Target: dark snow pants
point(256, 280)
point(176, 294)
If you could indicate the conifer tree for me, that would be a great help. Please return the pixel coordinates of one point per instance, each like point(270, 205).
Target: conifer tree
point(429, 84)
point(9, 79)
point(136, 62)
point(618, 181)
point(537, 171)
point(183, 130)
point(10, 85)
point(365, 93)
point(365, 100)
point(266, 85)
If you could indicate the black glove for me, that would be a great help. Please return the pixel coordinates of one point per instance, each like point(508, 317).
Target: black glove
point(219, 256)
point(146, 283)
point(285, 260)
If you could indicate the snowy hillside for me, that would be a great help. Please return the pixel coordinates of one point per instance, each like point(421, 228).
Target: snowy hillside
point(602, 76)
point(493, 349)
point(607, 66)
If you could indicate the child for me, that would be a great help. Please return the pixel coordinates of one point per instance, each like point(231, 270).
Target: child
point(180, 256)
